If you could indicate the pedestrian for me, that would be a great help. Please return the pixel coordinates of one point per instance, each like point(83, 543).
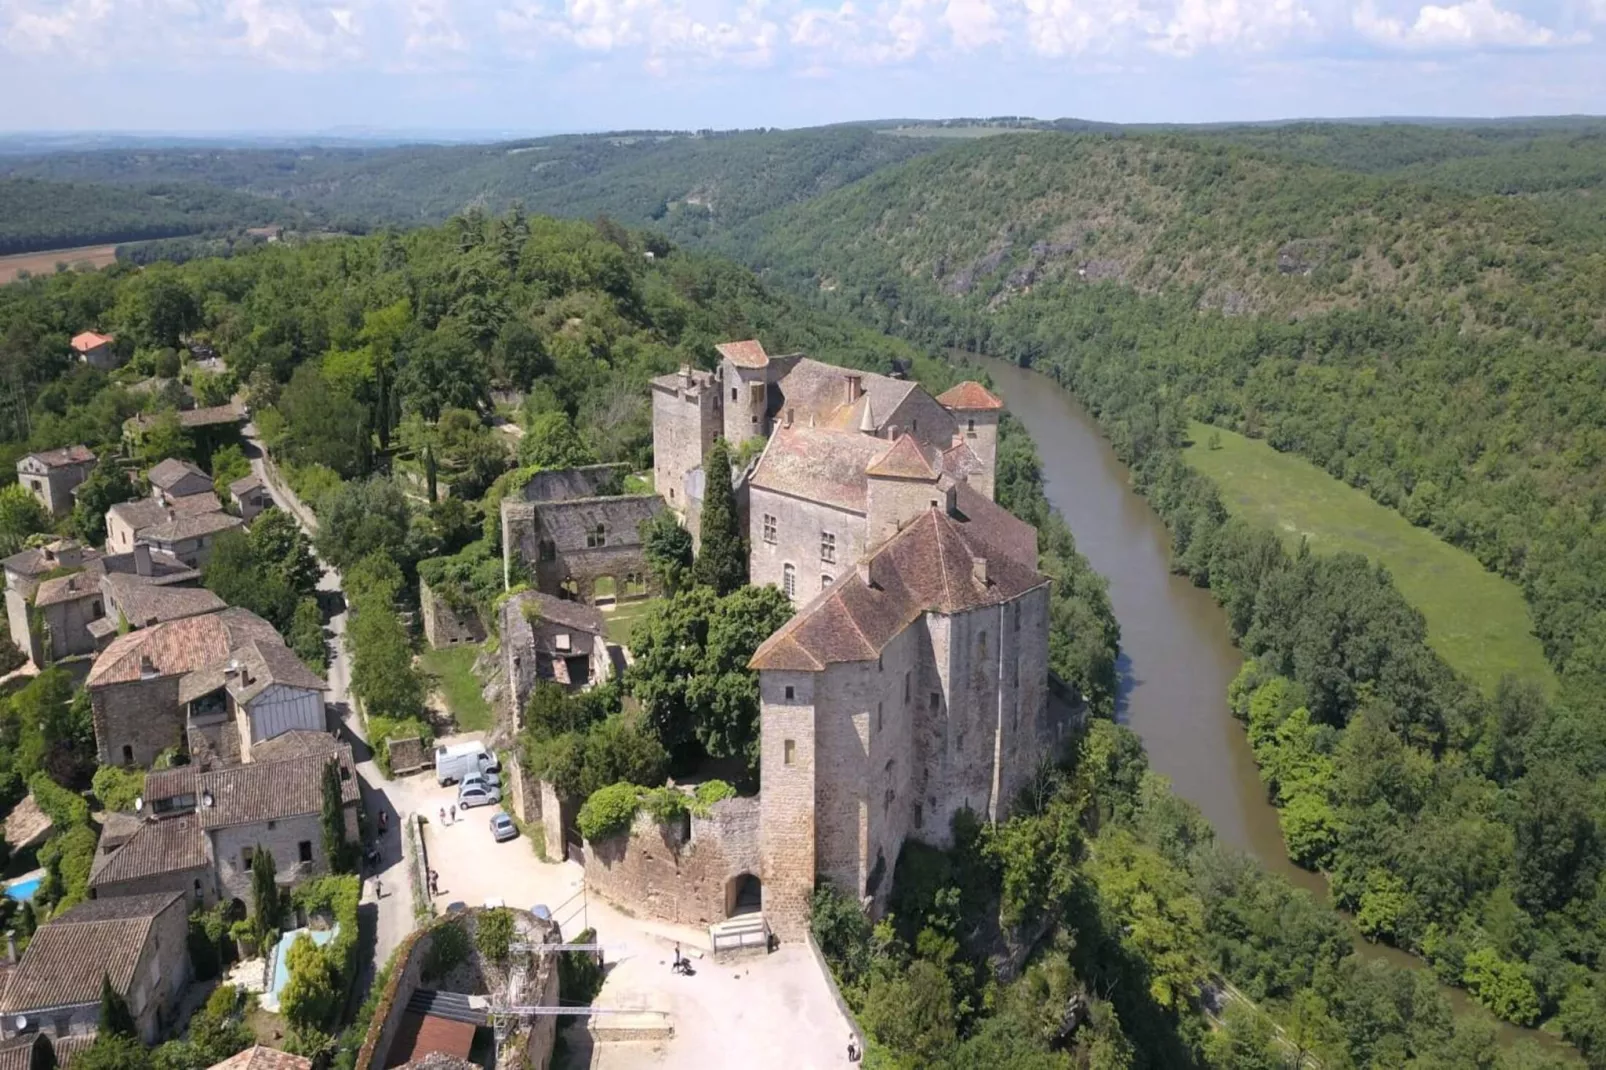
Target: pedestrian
point(443, 816)
point(384, 823)
point(379, 889)
point(454, 813)
point(853, 1048)
point(434, 882)
point(676, 967)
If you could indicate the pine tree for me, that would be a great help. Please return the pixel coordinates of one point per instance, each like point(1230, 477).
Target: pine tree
point(722, 557)
point(116, 1020)
point(334, 819)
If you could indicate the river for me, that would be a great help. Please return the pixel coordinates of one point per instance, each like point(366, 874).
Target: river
point(1176, 654)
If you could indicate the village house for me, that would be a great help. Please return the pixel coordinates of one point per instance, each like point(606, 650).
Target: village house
point(137, 942)
point(548, 638)
point(210, 419)
point(95, 350)
point(250, 496)
point(189, 537)
point(38, 1051)
point(222, 683)
point(259, 1057)
point(143, 853)
point(576, 540)
point(52, 476)
point(173, 478)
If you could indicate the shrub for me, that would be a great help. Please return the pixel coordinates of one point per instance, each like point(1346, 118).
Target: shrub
point(710, 792)
point(494, 934)
point(448, 949)
point(64, 808)
point(608, 812)
point(666, 805)
point(117, 788)
point(67, 858)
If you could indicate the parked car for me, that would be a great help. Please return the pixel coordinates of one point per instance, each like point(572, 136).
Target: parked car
point(486, 777)
point(457, 761)
point(477, 794)
point(503, 828)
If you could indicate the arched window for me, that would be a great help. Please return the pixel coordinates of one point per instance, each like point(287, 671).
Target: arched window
point(789, 582)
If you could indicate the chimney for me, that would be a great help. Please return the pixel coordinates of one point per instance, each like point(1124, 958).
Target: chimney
point(855, 387)
point(978, 569)
point(160, 495)
point(142, 559)
point(147, 667)
point(11, 946)
point(863, 569)
point(245, 678)
point(172, 514)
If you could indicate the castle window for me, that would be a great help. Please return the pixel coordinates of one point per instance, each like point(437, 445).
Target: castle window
point(935, 701)
point(920, 815)
point(733, 393)
point(908, 680)
point(970, 428)
point(548, 551)
point(880, 718)
point(825, 580)
point(791, 692)
point(981, 645)
point(828, 547)
point(790, 752)
point(789, 582)
point(914, 425)
point(769, 529)
point(596, 537)
point(1017, 616)
point(304, 850)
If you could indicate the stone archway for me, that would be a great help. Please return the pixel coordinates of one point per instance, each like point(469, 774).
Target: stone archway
point(744, 894)
point(604, 591)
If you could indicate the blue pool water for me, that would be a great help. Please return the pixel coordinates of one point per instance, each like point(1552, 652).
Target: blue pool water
point(281, 968)
point(23, 890)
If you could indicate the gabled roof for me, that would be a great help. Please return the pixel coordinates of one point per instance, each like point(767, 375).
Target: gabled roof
point(144, 603)
point(18, 1052)
point(67, 588)
point(158, 845)
point(68, 956)
point(170, 471)
point(904, 459)
point(37, 560)
point(969, 396)
point(818, 464)
point(88, 340)
point(263, 1058)
point(561, 611)
point(748, 354)
point(193, 526)
point(181, 646)
point(241, 486)
point(271, 791)
point(145, 514)
point(66, 455)
point(934, 565)
point(216, 414)
point(817, 390)
point(299, 743)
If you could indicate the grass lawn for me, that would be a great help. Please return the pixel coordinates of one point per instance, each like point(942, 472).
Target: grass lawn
point(1477, 621)
point(453, 666)
point(621, 620)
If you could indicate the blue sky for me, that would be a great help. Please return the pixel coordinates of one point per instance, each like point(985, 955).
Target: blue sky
point(545, 65)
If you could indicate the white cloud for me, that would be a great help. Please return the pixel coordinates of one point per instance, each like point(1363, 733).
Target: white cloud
point(1254, 24)
point(1470, 25)
point(887, 34)
point(668, 33)
point(1072, 27)
point(974, 24)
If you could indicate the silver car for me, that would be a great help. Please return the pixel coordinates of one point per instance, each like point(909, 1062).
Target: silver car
point(477, 794)
point(503, 828)
point(486, 777)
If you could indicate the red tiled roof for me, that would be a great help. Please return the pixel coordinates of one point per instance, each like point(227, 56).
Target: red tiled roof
point(421, 1034)
point(68, 956)
point(748, 354)
point(969, 396)
point(66, 455)
point(263, 1058)
point(180, 646)
point(162, 845)
point(88, 340)
point(819, 465)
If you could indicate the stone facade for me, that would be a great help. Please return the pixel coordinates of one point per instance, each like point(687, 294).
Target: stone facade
point(51, 476)
point(137, 720)
point(805, 535)
point(687, 417)
point(443, 625)
point(567, 547)
point(691, 873)
point(296, 843)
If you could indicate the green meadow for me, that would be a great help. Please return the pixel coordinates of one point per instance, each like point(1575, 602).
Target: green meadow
point(1477, 621)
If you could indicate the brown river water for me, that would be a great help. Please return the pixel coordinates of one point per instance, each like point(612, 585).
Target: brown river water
point(1176, 655)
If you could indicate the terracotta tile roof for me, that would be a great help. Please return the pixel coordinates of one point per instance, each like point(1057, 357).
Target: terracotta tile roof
point(819, 465)
point(748, 354)
point(184, 527)
point(217, 414)
point(960, 461)
point(170, 471)
point(37, 560)
point(904, 459)
point(67, 957)
point(165, 568)
point(269, 791)
point(118, 828)
point(26, 824)
point(813, 389)
point(180, 646)
point(144, 603)
point(300, 743)
point(146, 514)
point(969, 396)
point(160, 845)
point(262, 1058)
point(66, 455)
point(700, 380)
point(423, 1034)
point(68, 588)
point(561, 611)
point(241, 486)
point(931, 566)
point(990, 523)
point(162, 784)
point(88, 340)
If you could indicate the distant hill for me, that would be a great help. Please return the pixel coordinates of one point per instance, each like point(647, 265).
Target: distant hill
point(37, 215)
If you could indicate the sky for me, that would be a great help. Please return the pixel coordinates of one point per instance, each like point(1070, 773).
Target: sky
point(210, 66)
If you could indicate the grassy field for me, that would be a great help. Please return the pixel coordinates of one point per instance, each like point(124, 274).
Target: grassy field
point(622, 619)
point(1477, 621)
point(45, 263)
point(453, 667)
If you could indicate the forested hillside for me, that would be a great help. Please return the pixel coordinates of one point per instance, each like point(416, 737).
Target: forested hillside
point(686, 183)
point(38, 215)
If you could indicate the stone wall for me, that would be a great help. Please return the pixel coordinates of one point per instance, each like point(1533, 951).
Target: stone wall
point(556, 817)
point(686, 419)
point(684, 873)
point(799, 527)
point(443, 625)
point(142, 715)
point(284, 840)
point(187, 881)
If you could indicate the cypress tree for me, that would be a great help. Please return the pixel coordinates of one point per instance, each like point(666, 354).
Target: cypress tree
point(265, 890)
point(116, 1020)
point(334, 819)
point(722, 553)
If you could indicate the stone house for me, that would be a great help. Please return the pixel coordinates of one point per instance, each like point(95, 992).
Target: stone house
point(131, 522)
point(548, 638)
point(222, 682)
point(52, 475)
point(914, 687)
point(250, 496)
point(145, 853)
point(585, 548)
point(138, 942)
point(82, 612)
point(190, 538)
point(95, 350)
point(259, 1057)
point(173, 478)
point(210, 419)
point(274, 805)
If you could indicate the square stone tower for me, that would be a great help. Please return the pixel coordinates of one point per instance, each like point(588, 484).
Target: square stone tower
point(687, 416)
point(977, 411)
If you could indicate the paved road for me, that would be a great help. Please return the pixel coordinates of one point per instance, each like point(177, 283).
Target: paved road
point(395, 905)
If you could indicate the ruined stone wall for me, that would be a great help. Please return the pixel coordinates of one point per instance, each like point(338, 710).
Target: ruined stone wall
point(556, 817)
point(444, 626)
point(141, 715)
point(799, 526)
point(683, 873)
point(685, 423)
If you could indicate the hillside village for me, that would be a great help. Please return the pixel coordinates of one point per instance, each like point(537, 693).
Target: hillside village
point(910, 682)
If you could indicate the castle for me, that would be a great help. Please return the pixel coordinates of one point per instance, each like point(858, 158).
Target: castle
point(913, 680)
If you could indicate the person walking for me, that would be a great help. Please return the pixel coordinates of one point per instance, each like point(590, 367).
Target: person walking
point(454, 813)
point(675, 968)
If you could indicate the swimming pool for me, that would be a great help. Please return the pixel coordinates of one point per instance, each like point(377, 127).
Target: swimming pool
point(281, 968)
point(23, 890)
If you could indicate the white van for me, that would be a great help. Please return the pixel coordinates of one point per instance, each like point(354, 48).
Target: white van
point(454, 762)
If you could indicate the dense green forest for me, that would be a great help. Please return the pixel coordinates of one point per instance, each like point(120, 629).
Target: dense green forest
point(37, 214)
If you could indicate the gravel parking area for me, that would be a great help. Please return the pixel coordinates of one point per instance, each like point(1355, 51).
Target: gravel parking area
point(737, 1017)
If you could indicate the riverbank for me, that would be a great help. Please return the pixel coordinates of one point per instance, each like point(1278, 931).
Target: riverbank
point(1177, 656)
